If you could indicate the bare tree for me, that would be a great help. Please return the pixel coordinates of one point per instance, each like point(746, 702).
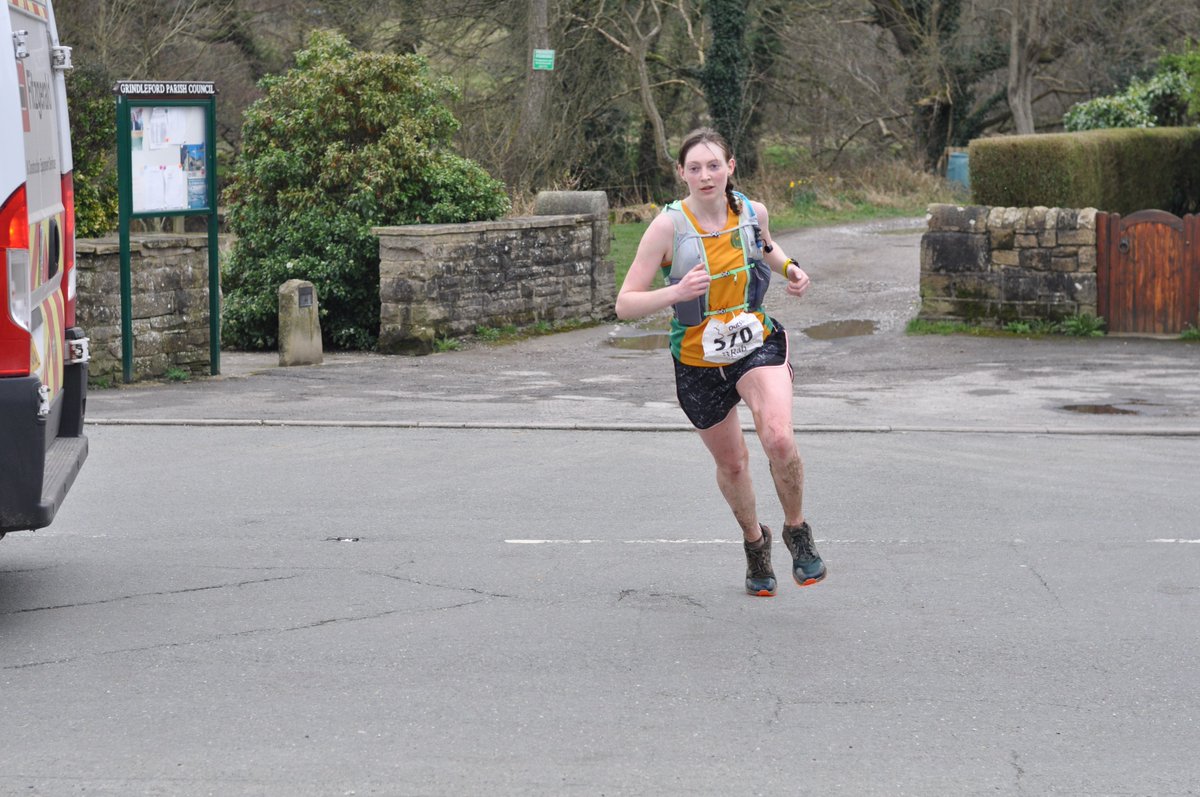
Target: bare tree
point(1040, 32)
point(633, 26)
point(944, 65)
point(822, 77)
point(128, 38)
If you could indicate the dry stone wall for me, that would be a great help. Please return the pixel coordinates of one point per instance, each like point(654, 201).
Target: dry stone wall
point(169, 298)
point(441, 281)
point(436, 281)
point(993, 264)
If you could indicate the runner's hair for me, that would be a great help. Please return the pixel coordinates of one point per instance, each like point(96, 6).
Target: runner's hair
point(706, 135)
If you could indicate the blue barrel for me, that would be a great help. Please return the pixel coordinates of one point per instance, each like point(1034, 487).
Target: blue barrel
point(958, 169)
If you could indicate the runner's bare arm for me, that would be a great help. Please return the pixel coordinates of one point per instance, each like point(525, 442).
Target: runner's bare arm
point(798, 281)
point(636, 299)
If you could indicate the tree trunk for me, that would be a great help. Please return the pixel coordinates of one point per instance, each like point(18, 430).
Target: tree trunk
point(649, 106)
point(765, 48)
point(1025, 45)
point(537, 89)
point(725, 69)
point(638, 47)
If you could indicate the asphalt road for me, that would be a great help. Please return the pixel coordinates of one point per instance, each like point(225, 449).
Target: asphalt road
point(506, 571)
point(292, 611)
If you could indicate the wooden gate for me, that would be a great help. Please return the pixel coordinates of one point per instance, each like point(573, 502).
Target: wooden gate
point(1148, 272)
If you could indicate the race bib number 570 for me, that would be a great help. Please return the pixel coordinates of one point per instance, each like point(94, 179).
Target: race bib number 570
point(729, 341)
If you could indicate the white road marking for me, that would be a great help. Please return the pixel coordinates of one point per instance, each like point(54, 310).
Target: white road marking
point(551, 542)
point(623, 542)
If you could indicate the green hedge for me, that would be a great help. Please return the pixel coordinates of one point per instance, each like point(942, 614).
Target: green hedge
point(1118, 170)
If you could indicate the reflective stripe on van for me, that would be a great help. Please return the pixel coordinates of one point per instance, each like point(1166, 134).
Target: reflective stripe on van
point(39, 10)
point(24, 92)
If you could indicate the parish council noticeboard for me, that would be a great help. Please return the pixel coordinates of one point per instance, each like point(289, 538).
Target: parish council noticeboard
point(168, 159)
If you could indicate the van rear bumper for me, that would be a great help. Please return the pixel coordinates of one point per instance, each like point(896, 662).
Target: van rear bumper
point(34, 476)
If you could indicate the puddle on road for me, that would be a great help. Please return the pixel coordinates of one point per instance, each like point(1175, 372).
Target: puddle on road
point(1099, 409)
point(831, 330)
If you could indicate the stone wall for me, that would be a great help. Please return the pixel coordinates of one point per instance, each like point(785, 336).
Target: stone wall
point(447, 280)
point(169, 298)
point(992, 264)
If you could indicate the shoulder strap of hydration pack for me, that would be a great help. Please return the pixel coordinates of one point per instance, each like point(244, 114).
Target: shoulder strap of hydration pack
point(684, 232)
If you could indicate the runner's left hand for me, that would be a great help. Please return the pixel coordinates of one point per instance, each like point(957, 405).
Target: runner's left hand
point(798, 281)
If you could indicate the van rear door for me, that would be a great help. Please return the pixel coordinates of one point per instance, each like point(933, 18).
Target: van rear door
point(43, 191)
point(43, 383)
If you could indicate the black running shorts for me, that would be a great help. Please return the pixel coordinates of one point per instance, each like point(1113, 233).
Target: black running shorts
point(708, 394)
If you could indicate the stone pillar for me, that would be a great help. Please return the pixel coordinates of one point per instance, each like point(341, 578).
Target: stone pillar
point(299, 324)
point(568, 203)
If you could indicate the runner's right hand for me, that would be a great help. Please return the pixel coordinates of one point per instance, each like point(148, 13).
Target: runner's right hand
point(694, 283)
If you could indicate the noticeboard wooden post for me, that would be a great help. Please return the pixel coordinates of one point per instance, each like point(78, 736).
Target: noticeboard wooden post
point(167, 166)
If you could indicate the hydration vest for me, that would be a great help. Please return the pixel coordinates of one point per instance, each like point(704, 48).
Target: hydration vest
point(688, 250)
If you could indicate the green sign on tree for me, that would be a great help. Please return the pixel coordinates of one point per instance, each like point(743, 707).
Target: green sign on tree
point(543, 59)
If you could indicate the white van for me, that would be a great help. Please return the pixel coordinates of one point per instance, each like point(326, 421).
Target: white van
point(43, 355)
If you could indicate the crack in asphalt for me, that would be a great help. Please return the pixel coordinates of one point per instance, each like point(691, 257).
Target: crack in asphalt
point(250, 632)
point(132, 596)
point(1015, 760)
point(1024, 562)
point(408, 580)
point(27, 570)
point(237, 635)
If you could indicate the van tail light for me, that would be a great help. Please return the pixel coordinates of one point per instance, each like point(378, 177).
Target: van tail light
point(68, 247)
point(14, 257)
point(14, 221)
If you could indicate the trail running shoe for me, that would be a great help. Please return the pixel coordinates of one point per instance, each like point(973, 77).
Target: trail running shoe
point(807, 567)
point(760, 578)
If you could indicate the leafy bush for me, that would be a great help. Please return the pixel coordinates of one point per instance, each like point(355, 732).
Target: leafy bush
point(343, 142)
point(93, 137)
point(1105, 112)
point(1166, 95)
point(1161, 101)
point(1187, 62)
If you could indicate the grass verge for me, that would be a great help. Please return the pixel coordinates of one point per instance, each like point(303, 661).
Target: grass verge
point(1083, 325)
point(624, 246)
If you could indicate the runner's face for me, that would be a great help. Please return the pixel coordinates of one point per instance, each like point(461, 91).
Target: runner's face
point(706, 170)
